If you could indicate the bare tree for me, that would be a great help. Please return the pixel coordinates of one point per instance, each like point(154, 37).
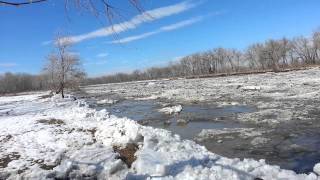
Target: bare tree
point(316, 44)
point(304, 50)
point(63, 67)
point(86, 4)
point(237, 60)
point(272, 54)
point(50, 70)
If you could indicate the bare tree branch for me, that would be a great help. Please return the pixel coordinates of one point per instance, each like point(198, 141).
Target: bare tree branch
point(20, 3)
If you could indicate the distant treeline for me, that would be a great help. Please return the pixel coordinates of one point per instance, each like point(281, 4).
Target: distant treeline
point(20, 82)
point(271, 55)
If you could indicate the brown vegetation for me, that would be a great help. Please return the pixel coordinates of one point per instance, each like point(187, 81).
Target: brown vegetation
point(57, 122)
point(127, 154)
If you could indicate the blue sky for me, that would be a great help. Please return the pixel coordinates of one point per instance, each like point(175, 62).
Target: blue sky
point(177, 28)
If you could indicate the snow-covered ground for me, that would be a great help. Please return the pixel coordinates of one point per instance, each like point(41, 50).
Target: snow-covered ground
point(48, 138)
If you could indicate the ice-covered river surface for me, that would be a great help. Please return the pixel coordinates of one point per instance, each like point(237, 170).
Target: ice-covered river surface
point(273, 116)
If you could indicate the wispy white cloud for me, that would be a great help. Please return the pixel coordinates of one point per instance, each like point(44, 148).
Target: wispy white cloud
point(147, 16)
point(102, 55)
point(96, 63)
point(8, 65)
point(134, 38)
point(45, 43)
point(182, 24)
point(171, 27)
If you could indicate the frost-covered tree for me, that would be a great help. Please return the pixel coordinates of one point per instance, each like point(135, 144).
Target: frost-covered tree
point(63, 67)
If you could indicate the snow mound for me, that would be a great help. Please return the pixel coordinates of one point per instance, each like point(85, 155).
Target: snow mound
point(182, 121)
point(316, 169)
point(259, 140)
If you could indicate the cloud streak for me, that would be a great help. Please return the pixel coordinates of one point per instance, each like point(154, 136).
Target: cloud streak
point(136, 21)
point(95, 63)
point(102, 55)
point(45, 43)
point(171, 27)
point(8, 65)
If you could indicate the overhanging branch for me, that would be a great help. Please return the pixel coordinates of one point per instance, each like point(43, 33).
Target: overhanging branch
point(20, 3)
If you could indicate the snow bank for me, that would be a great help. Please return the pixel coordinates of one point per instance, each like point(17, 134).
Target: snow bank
point(64, 138)
point(26, 97)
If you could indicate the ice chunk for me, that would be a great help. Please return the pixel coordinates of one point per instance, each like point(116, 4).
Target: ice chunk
point(316, 169)
point(259, 140)
point(106, 101)
point(251, 88)
point(171, 110)
point(150, 162)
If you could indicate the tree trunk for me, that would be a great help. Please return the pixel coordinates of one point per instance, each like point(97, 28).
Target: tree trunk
point(62, 93)
point(61, 89)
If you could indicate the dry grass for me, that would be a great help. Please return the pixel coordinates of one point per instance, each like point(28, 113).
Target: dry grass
point(51, 121)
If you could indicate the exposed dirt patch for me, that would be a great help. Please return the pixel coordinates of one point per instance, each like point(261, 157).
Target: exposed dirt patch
point(4, 139)
point(52, 121)
point(46, 166)
point(127, 154)
point(4, 161)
